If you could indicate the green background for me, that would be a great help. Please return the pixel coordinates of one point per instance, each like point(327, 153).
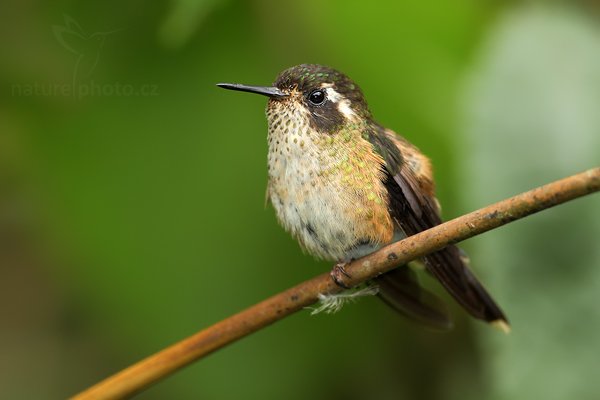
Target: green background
point(128, 222)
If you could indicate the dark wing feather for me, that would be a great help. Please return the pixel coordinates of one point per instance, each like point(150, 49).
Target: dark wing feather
point(400, 288)
point(416, 210)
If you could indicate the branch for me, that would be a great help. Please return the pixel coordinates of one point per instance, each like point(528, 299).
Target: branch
point(156, 367)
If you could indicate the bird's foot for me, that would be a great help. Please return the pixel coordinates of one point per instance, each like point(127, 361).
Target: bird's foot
point(339, 274)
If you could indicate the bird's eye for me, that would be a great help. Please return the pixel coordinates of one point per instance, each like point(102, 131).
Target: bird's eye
point(316, 97)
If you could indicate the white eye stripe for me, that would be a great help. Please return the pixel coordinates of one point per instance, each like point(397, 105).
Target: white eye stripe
point(332, 95)
point(344, 108)
point(343, 104)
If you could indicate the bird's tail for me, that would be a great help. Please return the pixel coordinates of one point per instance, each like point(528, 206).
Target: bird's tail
point(450, 267)
point(400, 289)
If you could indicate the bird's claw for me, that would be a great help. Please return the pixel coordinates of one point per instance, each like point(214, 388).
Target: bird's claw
point(339, 273)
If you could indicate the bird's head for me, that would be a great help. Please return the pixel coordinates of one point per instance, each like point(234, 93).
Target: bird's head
point(326, 99)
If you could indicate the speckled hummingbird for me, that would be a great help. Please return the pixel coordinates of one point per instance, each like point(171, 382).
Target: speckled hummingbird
point(345, 186)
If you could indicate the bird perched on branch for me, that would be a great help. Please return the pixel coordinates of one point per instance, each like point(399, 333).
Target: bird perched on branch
point(345, 186)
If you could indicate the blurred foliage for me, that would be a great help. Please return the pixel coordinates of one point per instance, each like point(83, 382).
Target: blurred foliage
point(533, 97)
point(132, 215)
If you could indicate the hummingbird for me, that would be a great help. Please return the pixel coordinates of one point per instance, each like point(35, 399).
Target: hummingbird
point(344, 186)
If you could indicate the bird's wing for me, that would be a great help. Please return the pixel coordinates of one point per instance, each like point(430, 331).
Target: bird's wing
point(412, 203)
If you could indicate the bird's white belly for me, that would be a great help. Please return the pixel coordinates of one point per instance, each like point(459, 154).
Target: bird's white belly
point(326, 191)
point(309, 206)
point(317, 211)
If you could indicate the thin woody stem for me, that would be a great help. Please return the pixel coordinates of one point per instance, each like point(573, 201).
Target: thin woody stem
point(156, 367)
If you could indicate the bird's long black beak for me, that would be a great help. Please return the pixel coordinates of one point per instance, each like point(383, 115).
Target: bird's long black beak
point(269, 91)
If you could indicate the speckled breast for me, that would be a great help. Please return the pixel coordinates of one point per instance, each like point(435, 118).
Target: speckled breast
point(326, 188)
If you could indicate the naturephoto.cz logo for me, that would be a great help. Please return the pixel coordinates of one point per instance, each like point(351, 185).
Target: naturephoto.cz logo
point(87, 49)
point(85, 89)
